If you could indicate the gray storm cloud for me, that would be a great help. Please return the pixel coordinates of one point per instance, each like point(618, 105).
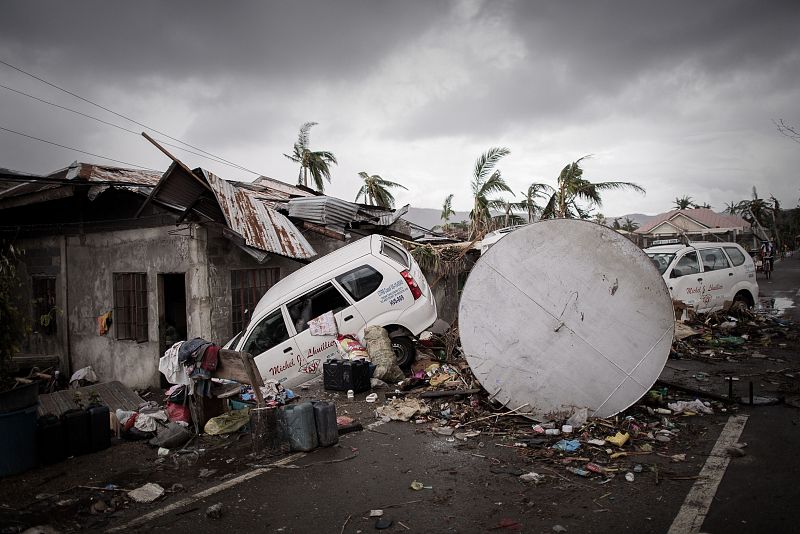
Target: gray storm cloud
point(677, 96)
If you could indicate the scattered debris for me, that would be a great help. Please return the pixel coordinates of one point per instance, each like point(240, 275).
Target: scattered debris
point(214, 511)
point(147, 493)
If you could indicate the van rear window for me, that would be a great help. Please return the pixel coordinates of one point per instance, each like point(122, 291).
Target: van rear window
point(735, 255)
point(360, 282)
point(396, 253)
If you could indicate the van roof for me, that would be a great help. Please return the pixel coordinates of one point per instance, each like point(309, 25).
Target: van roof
point(316, 270)
point(671, 249)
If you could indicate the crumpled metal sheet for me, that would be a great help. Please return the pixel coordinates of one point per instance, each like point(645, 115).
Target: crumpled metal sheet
point(261, 226)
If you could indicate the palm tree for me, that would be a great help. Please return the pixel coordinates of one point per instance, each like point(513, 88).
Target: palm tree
point(629, 225)
point(317, 163)
point(486, 183)
point(572, 188)
point(447, 211)
point(529, 197)
point(376, 190)
point(684, 202)
point(732, 207)
point(508, 218)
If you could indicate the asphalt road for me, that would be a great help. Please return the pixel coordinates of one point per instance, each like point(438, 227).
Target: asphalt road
point(760, 492)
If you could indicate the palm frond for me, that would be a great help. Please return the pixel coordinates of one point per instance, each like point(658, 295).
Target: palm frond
point(495, 184)
point(303, 138)
point(487, 161)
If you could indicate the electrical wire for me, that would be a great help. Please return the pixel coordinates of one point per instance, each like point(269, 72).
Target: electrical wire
point(214, 159)
point(120, 115)
point(78, 150)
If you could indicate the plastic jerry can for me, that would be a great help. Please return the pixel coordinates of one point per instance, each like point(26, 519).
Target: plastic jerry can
point(50, 439)
point(99, 428)
point(333, 375)
point(356, 376)
point(76, 431)
point(325, 421)
point(301, 427)
point(17, 441)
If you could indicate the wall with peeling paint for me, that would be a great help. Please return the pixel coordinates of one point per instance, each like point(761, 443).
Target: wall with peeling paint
point(223, 256)
point(92, 260)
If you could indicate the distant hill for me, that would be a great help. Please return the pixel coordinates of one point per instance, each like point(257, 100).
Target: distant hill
point(430, 217)
point(640, 218)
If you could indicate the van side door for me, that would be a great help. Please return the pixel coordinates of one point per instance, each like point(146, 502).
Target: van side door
point(314, 350)
point(275, 352)
point(717, 276)
point(686, 281)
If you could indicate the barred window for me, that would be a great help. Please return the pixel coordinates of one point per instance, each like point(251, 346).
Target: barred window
point(44, 305)
point(247, 288)
point(130, 306)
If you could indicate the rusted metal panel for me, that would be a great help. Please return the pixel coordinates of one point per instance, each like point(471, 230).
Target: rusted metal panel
point(278, 190)
point(98, 173)
point(261, 226)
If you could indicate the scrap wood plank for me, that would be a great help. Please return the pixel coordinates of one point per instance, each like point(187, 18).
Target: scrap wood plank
point(237, 366)
point(240, 367)
point(115, 395)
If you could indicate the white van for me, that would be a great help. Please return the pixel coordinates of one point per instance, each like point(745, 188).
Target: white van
point(373, 281)
point(707, 276)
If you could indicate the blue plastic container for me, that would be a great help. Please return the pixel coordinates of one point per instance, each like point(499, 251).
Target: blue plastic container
point(325, 420)
point(301, 427)
point(17, 441)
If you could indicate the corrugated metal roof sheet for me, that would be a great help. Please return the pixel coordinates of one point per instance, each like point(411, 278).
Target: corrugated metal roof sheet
point(279, 190)
point(99, 173)
point(261, 226)
point(136, 180)
point(323, 210)
point(382, 216)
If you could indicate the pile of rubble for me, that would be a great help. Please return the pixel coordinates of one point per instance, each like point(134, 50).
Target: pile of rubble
point(735, 333)
point(444, 398)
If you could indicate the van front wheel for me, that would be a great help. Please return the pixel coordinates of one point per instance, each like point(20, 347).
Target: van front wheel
point(404, 351)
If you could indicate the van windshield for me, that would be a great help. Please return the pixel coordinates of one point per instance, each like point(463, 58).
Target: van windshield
point(661, 260)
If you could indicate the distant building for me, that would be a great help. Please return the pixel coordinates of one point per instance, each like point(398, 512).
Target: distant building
point(697, 224)
point(126, 262)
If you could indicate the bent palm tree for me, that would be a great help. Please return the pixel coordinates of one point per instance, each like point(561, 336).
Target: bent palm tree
point(572, 188)
point(376, 190)
point(486, 183)
point(447, 211)
point(316, 163)
point(528, 202)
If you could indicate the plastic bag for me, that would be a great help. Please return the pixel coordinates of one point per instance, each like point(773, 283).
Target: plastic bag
point(178, 412)
point(173, 435)
point(227, 422)
point(351, 348)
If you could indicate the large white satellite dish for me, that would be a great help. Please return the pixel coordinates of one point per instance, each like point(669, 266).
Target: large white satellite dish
point(566, 314)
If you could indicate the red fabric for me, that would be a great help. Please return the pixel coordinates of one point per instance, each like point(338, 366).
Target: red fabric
point(210, 358)
point(178, 412)
point(131, 421)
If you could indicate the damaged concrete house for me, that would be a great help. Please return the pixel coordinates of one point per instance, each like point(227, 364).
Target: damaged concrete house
point(118, 264)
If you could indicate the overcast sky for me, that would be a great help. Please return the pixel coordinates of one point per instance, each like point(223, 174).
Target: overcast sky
point(677, 96)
